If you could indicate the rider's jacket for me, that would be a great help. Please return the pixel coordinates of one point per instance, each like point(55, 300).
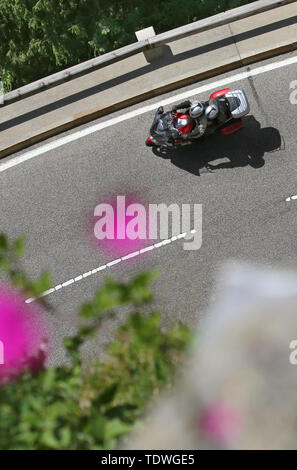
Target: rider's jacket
point(201, 122)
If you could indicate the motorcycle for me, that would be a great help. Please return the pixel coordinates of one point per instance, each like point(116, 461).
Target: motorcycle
point(169, 129)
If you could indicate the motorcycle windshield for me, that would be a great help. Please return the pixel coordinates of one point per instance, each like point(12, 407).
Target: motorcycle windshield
point(160, 128)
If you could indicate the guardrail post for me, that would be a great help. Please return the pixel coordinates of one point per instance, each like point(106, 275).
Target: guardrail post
point(155, 52)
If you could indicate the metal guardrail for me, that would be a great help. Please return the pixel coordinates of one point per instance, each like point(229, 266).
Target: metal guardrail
point(178, 33)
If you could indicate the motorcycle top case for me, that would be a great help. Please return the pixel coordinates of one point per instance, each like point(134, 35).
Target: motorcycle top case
point(239, 103)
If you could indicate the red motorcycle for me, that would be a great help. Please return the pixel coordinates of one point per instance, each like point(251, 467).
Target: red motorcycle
point(170, 129)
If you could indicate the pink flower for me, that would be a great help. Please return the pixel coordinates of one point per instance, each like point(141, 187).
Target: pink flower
point(22, 334)
point(220, 422)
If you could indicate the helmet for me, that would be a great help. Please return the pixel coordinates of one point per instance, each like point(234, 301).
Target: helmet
point(212, 111)
point(196, 109)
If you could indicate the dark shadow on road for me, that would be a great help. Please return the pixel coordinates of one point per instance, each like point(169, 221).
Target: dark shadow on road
point(246, 147)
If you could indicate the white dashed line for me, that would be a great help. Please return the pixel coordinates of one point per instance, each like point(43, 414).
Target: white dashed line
point(158, 245)
point(111, 263)
point(67, 283)
point(148, 248)
point(291, 198)
point(104, 266)
point(87, 274)
point(47, 292)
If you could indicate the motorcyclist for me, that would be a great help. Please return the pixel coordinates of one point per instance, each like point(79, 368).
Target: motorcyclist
point(168, 135)
point(197, 111)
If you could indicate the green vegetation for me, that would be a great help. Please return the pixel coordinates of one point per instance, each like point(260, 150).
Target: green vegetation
point(90, 405)
point(40, 37)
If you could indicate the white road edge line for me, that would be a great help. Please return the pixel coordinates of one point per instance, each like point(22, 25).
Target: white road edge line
point(137, 112)
point(112, 263)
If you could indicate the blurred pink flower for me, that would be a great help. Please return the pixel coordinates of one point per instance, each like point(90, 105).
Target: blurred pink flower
point(22, 335)
point(220, 422)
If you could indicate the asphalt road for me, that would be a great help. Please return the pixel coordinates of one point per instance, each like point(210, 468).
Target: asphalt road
point(51, 200)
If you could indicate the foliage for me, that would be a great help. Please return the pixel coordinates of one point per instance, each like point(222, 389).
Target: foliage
point(91, 405)
point(10, 253)
point(40, 37)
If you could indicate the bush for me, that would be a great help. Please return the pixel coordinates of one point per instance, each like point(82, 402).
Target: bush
point(90, 405)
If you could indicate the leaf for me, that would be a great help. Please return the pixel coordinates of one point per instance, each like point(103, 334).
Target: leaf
point(19, 279)
point(87, 310)
point(49, 440)
point(72, 345)
point(48, 380)
point(3, 242)
point(5, 264)
point(108, 394)
point(116, 428)
point(97, 426)
point(42, 284)
point(65, 437)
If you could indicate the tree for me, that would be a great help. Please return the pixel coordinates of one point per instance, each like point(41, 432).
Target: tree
point(40, 37)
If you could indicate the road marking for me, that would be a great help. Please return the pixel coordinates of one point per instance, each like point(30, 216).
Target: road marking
point(137, 112)
point(112, 263)
point(291, 198)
